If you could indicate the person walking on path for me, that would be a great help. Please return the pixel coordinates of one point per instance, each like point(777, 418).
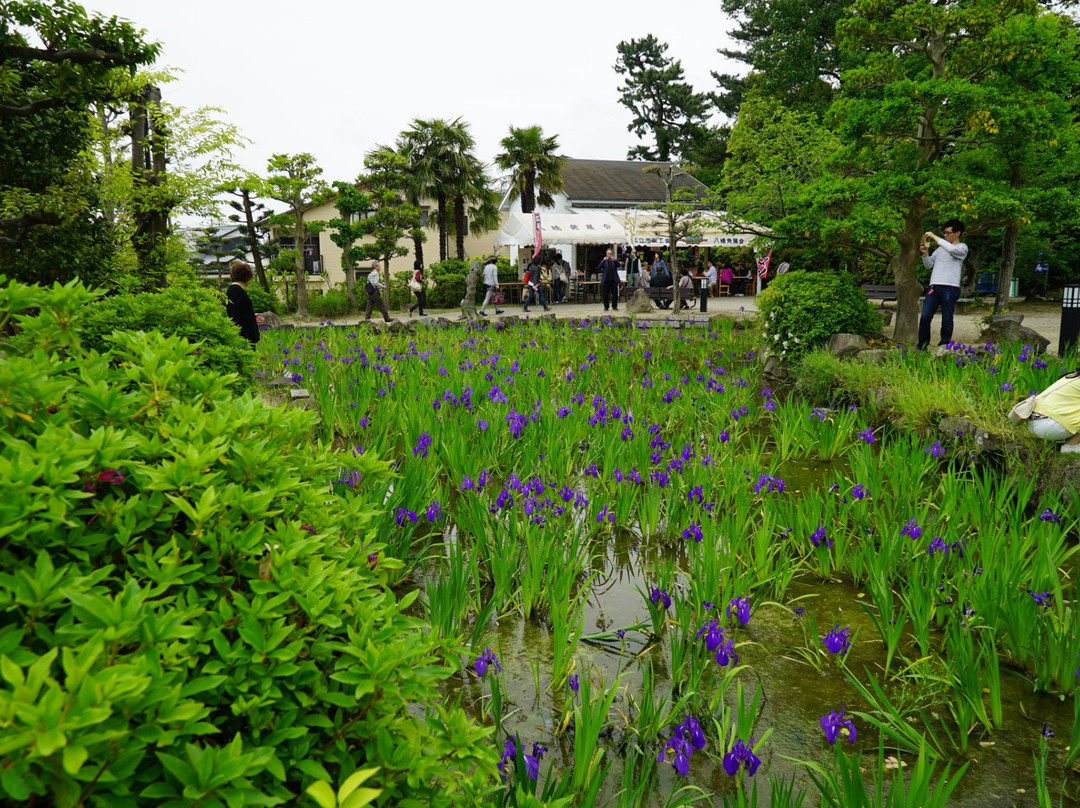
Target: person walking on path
point(491, 285)
point(531, 283)
point(374, 288)
point(609, 281)
point(946, 263)
point(710, 278)
point(686, 287)
point(417, 286)
point(239, 306)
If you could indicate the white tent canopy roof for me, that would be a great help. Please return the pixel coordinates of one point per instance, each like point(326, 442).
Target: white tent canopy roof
point(592, 227)
point(616, 226)
point(650, 229)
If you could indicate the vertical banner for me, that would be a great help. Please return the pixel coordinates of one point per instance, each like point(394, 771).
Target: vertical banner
point(630, 225)
point(538, 237)
point(763, 265)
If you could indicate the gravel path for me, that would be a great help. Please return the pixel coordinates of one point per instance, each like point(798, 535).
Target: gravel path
point(1045, 318)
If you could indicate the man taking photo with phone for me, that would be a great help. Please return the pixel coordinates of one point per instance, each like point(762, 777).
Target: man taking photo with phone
point(946, 263)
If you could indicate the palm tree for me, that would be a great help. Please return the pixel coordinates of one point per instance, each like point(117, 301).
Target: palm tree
point(439, 157)
point(473, 193)
point(537, 170)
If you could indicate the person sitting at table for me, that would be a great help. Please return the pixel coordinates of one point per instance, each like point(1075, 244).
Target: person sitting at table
point(727, 277)
point(743, 279)
point(686, 287)
point(660, 279)
point(531, 285)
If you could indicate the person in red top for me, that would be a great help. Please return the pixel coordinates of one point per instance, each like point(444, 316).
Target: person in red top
point(421, 294)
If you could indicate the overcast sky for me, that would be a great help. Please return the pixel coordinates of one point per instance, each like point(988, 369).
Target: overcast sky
point(335, 78)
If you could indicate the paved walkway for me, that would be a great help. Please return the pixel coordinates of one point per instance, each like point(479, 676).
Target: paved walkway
point(1044, 318)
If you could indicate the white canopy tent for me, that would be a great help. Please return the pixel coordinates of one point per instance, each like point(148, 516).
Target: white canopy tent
point(593, 227)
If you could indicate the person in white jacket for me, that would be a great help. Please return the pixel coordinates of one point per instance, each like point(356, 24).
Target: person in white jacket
point(947, 262)
point(491, 283)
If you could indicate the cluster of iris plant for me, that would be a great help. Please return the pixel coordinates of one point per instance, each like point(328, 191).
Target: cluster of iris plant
point(548, 441)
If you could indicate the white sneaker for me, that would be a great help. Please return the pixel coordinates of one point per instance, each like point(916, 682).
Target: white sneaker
point(1070, 449)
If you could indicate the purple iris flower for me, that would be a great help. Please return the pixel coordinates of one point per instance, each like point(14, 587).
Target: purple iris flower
point(935, 449)
point(714, 635)
point(838, 641)
point(422, 444)
point(938, 545)
point(819, 537)
point(832, 723)
point(403, 515)
point(575, 684)
point(485, 659)
point(658, 596)
point(741, 606)
point(686, 738)
point(434, 511)
point(1041, 598)
point(859, 491)
point(693, 532)
point(742, 754)
point(1050, 516)
point(867, 435)
point(911, 529)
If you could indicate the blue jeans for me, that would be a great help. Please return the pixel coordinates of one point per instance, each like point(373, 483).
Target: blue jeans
point(945, 297)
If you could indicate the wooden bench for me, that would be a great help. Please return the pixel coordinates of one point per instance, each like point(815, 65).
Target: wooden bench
point(879, 291)
point(659, 294)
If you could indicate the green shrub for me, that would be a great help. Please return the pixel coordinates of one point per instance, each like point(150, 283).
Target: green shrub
point(184, 310)
point(189, 613)
point(331, 303)
point(263, 300)
point(800, 310)
point(400, 295)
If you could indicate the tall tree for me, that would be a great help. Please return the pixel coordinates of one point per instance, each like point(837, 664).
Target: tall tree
point(536, 170)
point(439, 153)
point(476, 205)
point(922, 80)
point(665, 107)
point(251, 216)
point(56, 62)
point(790, 48)
point(295, 180)
point(681, 215)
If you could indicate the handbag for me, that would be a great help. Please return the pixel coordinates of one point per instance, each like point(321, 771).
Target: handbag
point(497, 297)
point(415, 285)
point(1022, 411)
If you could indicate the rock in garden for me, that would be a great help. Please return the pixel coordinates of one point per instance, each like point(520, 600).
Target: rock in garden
point(639, 303)
point(269, 319)
point(841, 345)
point(1010, 330)
point(875, 356)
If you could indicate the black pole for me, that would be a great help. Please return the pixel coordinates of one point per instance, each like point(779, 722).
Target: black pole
point(704, 294)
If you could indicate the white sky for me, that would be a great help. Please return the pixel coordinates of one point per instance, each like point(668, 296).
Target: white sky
point(335, 78)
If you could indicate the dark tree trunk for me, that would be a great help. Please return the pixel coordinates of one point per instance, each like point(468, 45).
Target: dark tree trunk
point(253, 237)
point(418, 246)
point(459, 226)
point(300, 236)
point(1008, 250)
point(528, 194)
point(443, 240)
point(148, 173)
point(903, 265)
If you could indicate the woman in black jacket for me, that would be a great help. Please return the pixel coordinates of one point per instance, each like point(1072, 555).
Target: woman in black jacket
point(239, 307)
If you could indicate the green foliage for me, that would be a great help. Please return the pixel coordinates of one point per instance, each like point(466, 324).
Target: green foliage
point(182, 310)
point(56, 62)
point(449, 288)
point(262, 300)
point(535, 166)
point(400, 294)
point(801, 310)
point(189, 614)
point(663, 104)
point(332, 303)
